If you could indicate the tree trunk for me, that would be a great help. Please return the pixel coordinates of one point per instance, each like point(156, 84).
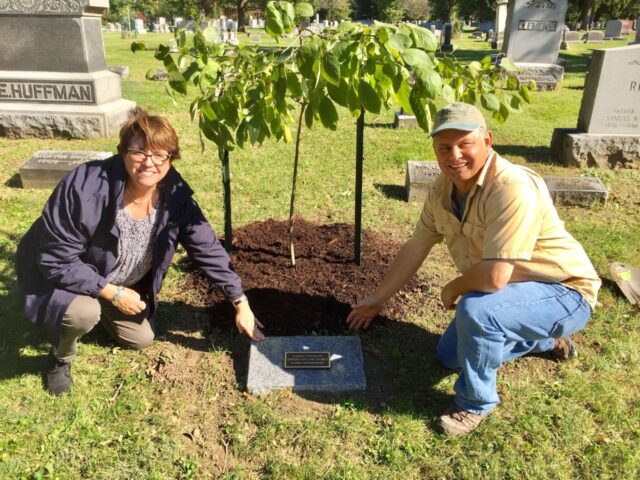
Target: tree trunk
point(226, 188)
point(357, 247)
point(240, 7)
point(296, 156)
point(587, 15)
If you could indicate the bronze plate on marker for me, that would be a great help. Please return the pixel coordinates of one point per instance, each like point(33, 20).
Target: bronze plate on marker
point(307, 360)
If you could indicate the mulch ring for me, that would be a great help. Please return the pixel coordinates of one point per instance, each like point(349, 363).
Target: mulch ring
point(316, 295)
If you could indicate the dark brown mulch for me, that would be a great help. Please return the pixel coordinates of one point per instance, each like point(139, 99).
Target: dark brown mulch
point(316, 295)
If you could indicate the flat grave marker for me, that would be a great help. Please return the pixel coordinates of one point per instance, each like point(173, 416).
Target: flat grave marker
point(268, 370)
point(419, 176)
point(46, 167)
point(579, 191)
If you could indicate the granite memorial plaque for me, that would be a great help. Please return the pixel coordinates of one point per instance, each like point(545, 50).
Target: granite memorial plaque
point(54, 79)
point(46, 167)
point(613, 30)
point(578, 191)
point(418, 178)
point(608, 131)
point(267, 371)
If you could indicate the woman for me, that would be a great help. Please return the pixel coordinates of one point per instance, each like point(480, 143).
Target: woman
point(104, 241)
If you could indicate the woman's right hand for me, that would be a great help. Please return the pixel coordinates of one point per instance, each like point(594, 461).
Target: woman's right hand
point(129, 302)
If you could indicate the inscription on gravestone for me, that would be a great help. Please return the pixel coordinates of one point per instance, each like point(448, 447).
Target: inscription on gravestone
point(419, 176)
point(307, 360)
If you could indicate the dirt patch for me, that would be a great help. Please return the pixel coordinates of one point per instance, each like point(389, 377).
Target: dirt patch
point(316, 295)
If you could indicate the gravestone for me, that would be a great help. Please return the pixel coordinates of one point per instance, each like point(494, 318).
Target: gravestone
point(501, 22)
point(46, 167)
point(446, 44)
point(54, 79)
point(532, 37)
point(404, 120)
point(418, 178)
point(637, 32)
point(490, 36)
point(578, 191)
point(267, 370)
point(627, 27)
point(572, 36)
point(594, 36)
point(608, 130)
point(477, 35)
point(613, 30)
point(121, 70)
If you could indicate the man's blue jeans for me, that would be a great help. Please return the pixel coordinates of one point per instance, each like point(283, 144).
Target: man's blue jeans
point(492, 328)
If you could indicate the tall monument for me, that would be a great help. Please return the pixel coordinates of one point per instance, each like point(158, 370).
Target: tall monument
point(54, 80)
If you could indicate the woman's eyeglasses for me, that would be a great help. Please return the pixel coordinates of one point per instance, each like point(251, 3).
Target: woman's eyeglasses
point(158, 159)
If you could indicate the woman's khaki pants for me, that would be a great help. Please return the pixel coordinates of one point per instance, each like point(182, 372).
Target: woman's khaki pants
point(84, 313)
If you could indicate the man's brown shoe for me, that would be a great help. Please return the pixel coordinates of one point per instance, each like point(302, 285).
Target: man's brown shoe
point(563, 350)
point(457, 421)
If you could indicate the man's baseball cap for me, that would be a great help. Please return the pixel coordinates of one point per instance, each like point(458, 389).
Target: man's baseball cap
point(458, 116)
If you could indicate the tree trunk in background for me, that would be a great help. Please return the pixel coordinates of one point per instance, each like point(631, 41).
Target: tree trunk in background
point(587, 14)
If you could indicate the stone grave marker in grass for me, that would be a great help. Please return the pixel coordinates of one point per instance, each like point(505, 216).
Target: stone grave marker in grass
point(608, 130)
point(533, 35)
point(331, 364)
point(419, 176)
point(580, 191)
point(613, 30)
point(46, 167)
point(594, 36)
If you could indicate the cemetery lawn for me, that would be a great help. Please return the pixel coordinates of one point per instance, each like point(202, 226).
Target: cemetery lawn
point(177, 409)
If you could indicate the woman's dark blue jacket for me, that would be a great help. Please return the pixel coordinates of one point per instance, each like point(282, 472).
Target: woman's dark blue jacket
point(73, 246)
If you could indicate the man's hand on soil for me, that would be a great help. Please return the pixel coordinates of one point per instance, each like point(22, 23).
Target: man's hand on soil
point(363, 313)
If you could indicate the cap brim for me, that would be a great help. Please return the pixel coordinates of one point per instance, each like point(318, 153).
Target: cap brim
point(464, 126)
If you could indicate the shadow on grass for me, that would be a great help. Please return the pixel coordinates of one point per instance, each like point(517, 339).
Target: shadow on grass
point(394, 192)
point(529, 153)
point(14, 182)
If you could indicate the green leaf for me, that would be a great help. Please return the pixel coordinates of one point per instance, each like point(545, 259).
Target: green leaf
point(330, 68)
point(339, 94)
point(448, 95)
point(507, 64)
point(475, 68)
point(304, 9)
point(413, 56)
point(138, 46)
point(417, 105)
point(423, 39)
point(308, 116)
point(273, 22)
point(288, 15)
point(306, 57)
point(427, 80)
point(399, 42)
point(533, 86)
point(382, 35)
point(490, 102)
point(177, 82)
point(328, 114)
point(501, 114)
point(353, 102)
point(512, 83)
point(210, 34)
point(293, 85)
point(401, 95)
point(525, 93)
point(515, 103)
point(369, 97)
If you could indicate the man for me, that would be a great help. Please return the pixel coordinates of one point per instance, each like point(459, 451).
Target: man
point(526, 284)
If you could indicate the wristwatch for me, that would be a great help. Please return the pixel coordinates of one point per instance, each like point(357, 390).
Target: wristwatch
point(116, 298)
point(239, 300)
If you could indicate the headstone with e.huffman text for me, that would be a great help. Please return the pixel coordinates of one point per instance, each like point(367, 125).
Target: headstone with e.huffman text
point(418, 178)
point(54, 79)
point(46, 167)
point(577, 191)
point(533, 35)
point(608, 130)
point(330, 364)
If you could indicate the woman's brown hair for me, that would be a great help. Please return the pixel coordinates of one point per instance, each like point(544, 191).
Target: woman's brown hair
point(156, 131)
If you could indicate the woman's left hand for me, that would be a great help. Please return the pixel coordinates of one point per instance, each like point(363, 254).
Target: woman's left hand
point(247, 323)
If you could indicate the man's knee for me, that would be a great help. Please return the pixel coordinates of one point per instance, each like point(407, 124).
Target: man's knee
point(473, 312)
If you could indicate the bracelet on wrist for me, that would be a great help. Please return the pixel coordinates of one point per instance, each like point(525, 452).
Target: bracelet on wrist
point(116, 298)
point(239, 300)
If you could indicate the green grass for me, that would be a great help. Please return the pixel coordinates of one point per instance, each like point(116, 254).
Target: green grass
point(175, 410)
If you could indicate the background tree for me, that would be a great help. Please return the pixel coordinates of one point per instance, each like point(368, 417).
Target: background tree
point(415, 9)
point(445, 10)
point(477, 10)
